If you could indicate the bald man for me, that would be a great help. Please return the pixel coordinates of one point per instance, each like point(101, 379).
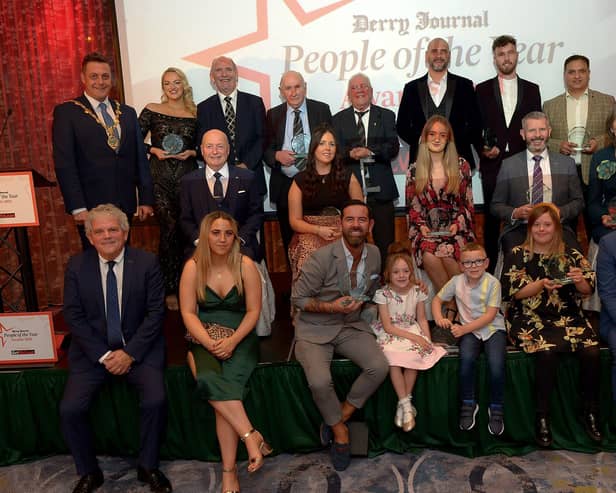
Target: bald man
point(279, 155)
point(440, 92)
point(219, 186)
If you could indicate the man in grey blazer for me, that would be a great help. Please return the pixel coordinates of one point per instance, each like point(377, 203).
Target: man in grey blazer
point(330, 321)
point(512, 200)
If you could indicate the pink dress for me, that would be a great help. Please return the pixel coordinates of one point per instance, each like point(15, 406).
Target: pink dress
point(400, 351)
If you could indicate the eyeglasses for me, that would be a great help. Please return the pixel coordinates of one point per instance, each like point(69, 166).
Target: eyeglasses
point(473, 263)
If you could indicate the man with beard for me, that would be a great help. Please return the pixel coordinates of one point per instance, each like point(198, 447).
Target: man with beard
point(503, 101)
point(532, 176)
point(330, 321)
point(440, 92)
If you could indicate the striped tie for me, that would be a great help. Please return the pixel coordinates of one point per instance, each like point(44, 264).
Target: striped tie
point(230, 121)
point(537, 192)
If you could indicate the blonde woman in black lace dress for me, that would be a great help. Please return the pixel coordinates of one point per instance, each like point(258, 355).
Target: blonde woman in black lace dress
point(172, 126)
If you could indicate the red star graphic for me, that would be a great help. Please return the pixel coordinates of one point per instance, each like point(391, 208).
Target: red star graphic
point(206, 56)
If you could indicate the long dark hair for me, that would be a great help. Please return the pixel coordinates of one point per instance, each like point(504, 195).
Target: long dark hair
point(338, 173)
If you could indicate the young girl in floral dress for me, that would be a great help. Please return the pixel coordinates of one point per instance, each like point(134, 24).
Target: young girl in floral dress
point(402, 331)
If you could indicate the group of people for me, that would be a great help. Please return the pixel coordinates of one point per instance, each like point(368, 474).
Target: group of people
point(332, 184)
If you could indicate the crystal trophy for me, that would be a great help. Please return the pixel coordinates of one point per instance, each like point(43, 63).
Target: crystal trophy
point(580, 138)
point(558, 266)
point(439, 222)
point(173, 144)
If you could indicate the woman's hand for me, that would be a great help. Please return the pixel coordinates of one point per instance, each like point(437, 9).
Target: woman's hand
point(184, 155)
point(328, 233)
point(576, 275)
point(424, 230)
point(223, 348)
point(159, 153)
point(420, 341)
point(453, 229)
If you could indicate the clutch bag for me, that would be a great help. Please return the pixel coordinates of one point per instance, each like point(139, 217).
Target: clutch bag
point(214, 330)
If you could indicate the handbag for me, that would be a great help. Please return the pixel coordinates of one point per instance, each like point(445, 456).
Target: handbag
point(214, 330)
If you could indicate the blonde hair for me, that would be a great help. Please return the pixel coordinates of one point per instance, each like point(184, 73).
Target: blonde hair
point(423, 164)
point(203, 256)
point(187, 95)
point(557, 245)
point(106, 210)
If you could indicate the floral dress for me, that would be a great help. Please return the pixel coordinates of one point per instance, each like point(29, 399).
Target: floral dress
point(459, 207)
point(400, 351)
point(548, 321)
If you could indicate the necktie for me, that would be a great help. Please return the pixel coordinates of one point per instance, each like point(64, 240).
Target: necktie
point(218, 193)
point(298, 128)
point(109, 123)
point(361, 130)
point(300, 147)
point(114, 326)
point(230, 120)
point(537, 191)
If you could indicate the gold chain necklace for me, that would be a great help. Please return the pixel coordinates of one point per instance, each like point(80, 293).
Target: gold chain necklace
point(111, 131)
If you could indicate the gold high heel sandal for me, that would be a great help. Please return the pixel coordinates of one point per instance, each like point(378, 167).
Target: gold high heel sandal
point(255, 463)
point(233, 470)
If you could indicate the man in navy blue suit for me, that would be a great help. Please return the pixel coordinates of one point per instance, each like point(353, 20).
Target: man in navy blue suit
point(98, 149)
point(219, 186)
point(281, 128)
point(114, 307)
point(239, 115)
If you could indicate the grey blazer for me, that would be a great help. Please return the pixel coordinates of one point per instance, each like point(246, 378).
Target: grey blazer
point(320, 278)
point(512, 186)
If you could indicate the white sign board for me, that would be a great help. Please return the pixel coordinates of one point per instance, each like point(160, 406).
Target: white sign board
point(17, 200)
point(27, 339)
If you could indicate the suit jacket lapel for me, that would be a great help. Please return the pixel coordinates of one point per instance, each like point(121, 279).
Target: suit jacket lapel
point(282, 123)
point(518, 103)
point(449, 94)
point(127, 280)
point(498, 100)
point(94, 272)
point(373, 122)
point(422, 90)
point(342, 271)
point(232, 187)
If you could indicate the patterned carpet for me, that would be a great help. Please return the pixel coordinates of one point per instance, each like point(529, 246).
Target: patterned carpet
point(426, 472)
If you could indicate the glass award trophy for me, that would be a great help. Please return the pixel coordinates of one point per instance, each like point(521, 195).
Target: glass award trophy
point(299, 145)
point(580, 138)
point(439, 222)
point(558, 266)
point(173, 144)
point(362, 289)
point(488, 138)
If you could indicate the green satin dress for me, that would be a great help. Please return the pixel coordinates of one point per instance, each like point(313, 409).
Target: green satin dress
point(225, 380)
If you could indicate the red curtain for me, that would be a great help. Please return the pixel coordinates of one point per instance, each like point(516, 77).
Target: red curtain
point(42, 43)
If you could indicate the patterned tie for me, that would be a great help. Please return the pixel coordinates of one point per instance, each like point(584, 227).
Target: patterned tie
point(298, 128)
point(218, 193)
point(537, 191)
point(230, 120)
point(114, 325)
point(361, 130)
point(109, 123)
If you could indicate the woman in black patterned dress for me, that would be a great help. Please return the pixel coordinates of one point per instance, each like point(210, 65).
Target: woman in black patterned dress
point(172, 126)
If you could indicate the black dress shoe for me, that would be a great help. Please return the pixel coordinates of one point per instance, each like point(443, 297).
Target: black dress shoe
point(543, 435)
point(89, 482)
point(591, 425)
point(156, 479)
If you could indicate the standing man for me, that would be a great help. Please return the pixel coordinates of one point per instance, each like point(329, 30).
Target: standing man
point(98, 150)
point(532, 176)
point(579, 107)
point(329, 321)
point(114, 307)
point(238, 114)
point(219, 186)
point(503, 101)
point(367, 131)
point(440, 92)
point(296, 116)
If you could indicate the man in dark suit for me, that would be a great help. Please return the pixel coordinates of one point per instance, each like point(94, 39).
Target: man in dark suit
point(440, 92)
point(239, 114)
point(98, 149)
point(331, 321)
point(503, 101)
point(114, 307)
point(219, 186)
point(366, 131)
point(532, 176)
point(279, 154)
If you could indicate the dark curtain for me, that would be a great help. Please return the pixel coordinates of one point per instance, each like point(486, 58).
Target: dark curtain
point(42, 43)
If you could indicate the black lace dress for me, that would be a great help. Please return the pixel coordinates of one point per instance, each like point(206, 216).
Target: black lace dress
point(166, 175)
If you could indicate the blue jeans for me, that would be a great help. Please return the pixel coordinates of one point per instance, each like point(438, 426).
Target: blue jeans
point(494, 347)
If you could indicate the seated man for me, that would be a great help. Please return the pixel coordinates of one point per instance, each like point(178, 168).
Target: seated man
point(114, 307)
point(221, 187)
point(532, 176)
point(330, 321)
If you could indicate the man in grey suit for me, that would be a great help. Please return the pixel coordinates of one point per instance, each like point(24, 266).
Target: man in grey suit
point(297, 115)
point(330, 321)
point(518, 187)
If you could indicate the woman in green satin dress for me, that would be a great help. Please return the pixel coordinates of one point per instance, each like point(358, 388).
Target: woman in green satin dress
point(221, 285)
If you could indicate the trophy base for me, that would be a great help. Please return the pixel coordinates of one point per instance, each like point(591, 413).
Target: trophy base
point(563, 281)
point(438, 234)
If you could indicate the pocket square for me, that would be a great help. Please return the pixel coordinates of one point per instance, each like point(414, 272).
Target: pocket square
point(241, 191)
